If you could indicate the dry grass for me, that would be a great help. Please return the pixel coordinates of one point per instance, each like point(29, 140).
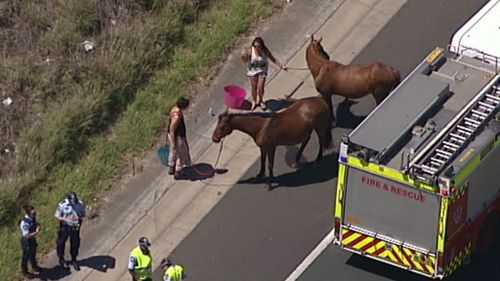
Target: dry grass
point(77, 116)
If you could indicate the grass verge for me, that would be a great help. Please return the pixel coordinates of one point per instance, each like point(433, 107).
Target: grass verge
point(206, 41)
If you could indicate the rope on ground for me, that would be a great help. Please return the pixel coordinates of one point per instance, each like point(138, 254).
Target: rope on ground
point(213, 166)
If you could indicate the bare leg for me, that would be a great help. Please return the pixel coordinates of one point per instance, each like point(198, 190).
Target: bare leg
point(253, 83)
point(261, 82)
point(262, 163)
point(299, 153)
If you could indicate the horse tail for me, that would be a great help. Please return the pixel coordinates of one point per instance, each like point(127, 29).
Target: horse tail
point(397, 78)
point(328, 141)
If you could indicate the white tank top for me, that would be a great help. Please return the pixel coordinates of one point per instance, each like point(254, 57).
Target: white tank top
point(258, 64)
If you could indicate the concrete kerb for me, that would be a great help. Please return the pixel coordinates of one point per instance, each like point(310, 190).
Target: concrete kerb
point(159, 221)
point(170, 231)
point(183, 205)
point(237, 161)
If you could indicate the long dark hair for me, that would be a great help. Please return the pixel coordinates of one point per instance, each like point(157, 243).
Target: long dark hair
point(259, 40)
point(182, 103)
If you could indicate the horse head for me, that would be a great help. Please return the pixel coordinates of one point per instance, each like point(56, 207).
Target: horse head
point(223, 127)
point(316, 46)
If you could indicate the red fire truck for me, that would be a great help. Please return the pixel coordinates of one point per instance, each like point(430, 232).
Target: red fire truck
point(418, 183)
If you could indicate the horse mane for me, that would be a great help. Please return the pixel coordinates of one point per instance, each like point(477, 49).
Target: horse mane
point(320, 53)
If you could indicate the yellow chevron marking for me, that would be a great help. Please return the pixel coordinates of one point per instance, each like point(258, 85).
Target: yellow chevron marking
point(414, 259)
point(430, 268)
point(363, 242)
point(458, 194)
point(400, 255)
point(384, 254)
point(432, 259)
point(350, 238)
point(344, 231)
point(457, 260)
point(391, 257)
point(375, 247)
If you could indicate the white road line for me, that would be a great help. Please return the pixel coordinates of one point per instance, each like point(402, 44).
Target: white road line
point(357, 32)
point(311, 257)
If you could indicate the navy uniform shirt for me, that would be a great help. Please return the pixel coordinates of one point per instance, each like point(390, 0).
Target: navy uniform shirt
point(28, 225)
point(73, 212)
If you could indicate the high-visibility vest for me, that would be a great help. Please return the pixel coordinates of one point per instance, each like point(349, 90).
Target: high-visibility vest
point(175, 272)
point(143, 268)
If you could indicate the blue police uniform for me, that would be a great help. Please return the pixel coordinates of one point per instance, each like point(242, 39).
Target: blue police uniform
point(28, 225)
point(73, 211)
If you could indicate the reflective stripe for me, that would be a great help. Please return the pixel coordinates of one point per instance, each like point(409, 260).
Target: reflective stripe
point(464, 173)
point(175, 272)
point(340, 186)
point(458, 260)
point(442, 223)
point(406, 257)
point(143, 267)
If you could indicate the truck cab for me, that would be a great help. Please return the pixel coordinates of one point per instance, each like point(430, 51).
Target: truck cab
point(479, 37)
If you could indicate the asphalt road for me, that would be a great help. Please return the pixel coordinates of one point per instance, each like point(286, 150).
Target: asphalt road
point(254, 234)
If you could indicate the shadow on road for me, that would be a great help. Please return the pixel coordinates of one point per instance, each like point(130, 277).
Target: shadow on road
point(272, 105)
point(247, 105)
point(382, 269)
point(345, 118)
point(308, 173)
point(487, 267)
point(53, 273)
point(100, 263)
point(279, 104)
point(201, 171)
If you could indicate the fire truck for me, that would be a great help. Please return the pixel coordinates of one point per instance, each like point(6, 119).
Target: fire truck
point(418, 180)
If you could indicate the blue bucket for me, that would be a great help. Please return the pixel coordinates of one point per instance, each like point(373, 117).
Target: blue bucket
point(163, 154)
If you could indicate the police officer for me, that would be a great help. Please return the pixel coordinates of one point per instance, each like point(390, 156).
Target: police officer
point(173, 272)
point(29, 230)
point(70, 213)
point(140, 261)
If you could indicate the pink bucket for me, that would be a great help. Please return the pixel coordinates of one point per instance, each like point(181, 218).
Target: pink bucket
point(234, 96)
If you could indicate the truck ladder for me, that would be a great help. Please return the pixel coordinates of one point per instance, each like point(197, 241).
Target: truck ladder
point(477, 114)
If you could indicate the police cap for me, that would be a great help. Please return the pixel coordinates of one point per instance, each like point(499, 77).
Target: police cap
point(165, 262)
point(72, 196)
point(144, 241)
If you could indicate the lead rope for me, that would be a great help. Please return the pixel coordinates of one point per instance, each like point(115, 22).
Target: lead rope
point(296, 68)
point(214, 165)
point(219, 154)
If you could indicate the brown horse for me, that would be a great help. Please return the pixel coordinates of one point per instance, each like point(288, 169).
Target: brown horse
point(352, 81)
point(291, 126)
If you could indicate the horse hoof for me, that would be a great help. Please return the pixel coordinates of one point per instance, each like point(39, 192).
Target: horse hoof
point(259, 175)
